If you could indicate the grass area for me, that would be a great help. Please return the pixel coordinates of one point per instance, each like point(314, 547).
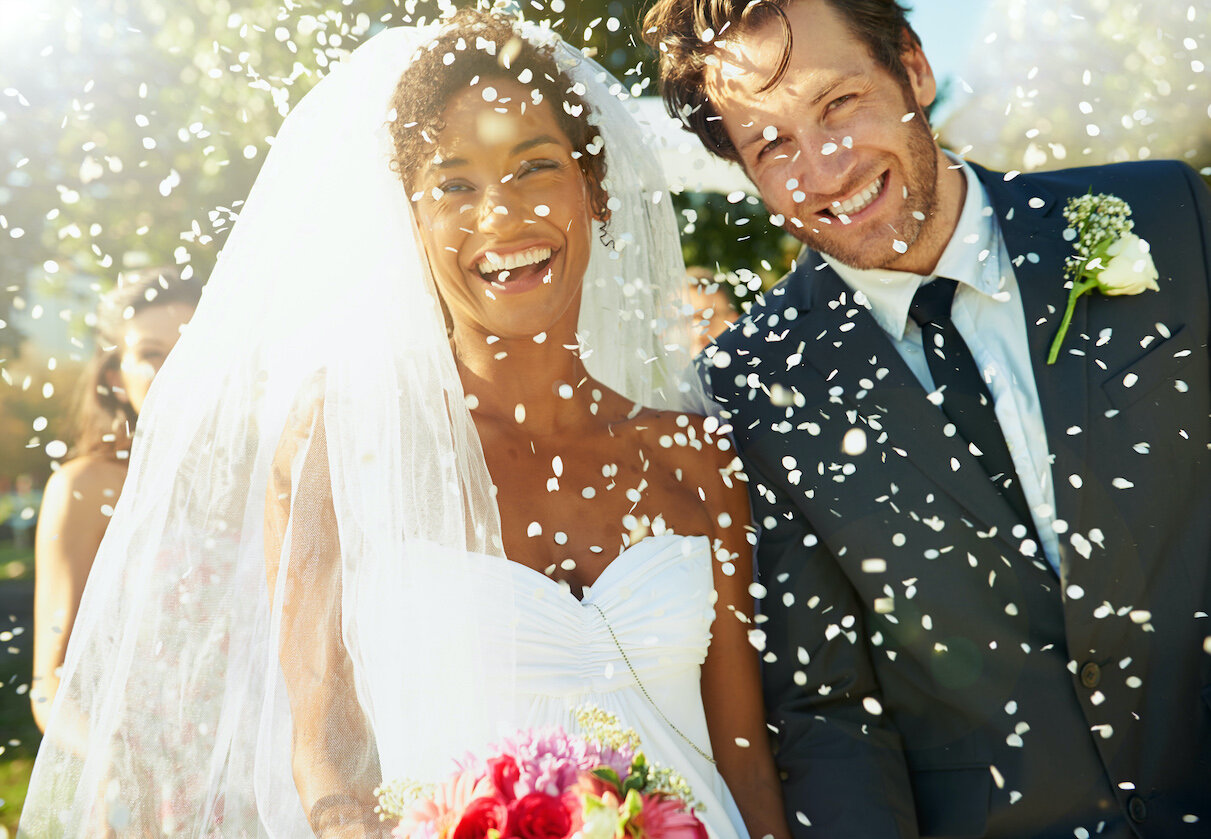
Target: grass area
point(19, 737)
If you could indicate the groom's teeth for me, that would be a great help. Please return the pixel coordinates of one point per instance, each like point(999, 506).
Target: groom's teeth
point(493, 262)
point(859, 202)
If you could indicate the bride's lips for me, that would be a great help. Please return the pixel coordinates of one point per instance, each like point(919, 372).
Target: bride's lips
point(513, 270)
point(857, 204)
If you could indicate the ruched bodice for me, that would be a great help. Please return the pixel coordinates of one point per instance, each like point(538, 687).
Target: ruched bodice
point(633, 647)
point(630, 602)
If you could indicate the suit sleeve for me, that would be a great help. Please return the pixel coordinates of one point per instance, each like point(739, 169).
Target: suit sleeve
point(841, 760)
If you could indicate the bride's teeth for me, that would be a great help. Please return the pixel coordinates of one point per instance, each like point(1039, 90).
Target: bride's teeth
point(493, 262)
point(859, 202)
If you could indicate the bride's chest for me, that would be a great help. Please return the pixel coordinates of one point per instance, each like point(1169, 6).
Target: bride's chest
point(569, 514)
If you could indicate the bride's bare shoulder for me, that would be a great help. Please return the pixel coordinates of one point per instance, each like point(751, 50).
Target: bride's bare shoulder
point(690, 444)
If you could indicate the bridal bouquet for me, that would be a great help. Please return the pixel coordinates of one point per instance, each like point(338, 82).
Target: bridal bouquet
point(548, 784)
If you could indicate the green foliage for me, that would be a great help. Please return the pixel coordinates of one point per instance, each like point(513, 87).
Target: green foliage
point(729, 236)
point(131, 130)
point(19, 737)
point(35, 403)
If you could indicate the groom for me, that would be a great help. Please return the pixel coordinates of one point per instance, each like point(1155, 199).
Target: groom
point(987, 576)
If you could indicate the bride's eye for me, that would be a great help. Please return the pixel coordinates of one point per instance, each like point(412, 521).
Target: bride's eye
point(530, 166)
point(452, 186)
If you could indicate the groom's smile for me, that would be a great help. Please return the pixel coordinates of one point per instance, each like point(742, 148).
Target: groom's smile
point(860, 201)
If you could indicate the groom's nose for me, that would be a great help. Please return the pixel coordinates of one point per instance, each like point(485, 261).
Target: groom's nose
point(823, 164)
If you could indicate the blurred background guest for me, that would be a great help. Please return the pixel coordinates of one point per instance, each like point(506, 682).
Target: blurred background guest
point(138, 323)
point(20, 508)
point(714, 305)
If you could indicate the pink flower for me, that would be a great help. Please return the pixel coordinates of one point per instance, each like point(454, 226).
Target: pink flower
point(667, 818)
point(436, 817)
point(542, 816)
point(551, 760)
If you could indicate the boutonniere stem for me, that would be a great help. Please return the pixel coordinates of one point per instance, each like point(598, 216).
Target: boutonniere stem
point(1109, 257)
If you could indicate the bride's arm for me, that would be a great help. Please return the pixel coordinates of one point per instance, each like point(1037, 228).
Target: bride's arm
point(731, 675)
point(333, 759)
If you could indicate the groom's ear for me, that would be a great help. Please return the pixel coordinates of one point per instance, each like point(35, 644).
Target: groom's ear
point(920, 74)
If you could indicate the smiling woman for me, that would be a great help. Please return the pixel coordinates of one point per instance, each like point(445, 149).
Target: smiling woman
point(506, 181)
point(504, 211)
point(403, 538)
point(138, 324)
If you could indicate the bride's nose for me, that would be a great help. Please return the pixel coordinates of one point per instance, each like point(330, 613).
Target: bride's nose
point(500, 208)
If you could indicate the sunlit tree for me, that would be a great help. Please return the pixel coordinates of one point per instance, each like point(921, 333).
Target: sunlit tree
point(1083, 82)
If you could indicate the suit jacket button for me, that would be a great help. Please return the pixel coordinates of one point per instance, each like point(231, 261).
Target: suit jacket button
point(1137, 809)
point(1091, 675)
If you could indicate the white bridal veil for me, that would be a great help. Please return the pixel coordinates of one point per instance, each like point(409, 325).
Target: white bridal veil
point(307, 484)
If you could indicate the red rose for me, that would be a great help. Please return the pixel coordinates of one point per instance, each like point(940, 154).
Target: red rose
point(505, 774)
point(539, 816)
point(481, 815)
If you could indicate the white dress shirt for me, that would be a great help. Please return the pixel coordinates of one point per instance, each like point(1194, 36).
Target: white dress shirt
point(987, 311)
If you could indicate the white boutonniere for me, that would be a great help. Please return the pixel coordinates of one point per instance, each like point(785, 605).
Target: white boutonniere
point(1109, 257)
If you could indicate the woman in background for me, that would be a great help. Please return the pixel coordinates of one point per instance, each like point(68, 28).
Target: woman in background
point(138, 323)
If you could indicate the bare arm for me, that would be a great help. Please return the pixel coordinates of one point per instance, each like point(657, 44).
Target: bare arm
point(334, 761)
point(70, 527)
point(731, 676)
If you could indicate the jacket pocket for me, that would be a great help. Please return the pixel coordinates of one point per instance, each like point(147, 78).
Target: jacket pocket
point(1148, 372)
point(952, 802)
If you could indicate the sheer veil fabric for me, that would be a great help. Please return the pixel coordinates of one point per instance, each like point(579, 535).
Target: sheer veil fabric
point(305, 456)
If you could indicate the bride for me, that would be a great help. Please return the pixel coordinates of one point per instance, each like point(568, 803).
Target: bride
point(418, 470)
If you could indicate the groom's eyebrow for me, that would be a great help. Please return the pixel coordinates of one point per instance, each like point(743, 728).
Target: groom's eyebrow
point(816, 99)
point(831, 86)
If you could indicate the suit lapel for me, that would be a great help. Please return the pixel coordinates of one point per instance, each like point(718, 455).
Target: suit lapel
point(863, 370)
point(1034, 239)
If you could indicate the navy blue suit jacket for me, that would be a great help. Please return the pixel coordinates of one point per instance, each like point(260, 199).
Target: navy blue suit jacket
point(925, 677)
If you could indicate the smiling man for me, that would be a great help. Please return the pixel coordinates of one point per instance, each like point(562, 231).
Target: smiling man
point(984, 526)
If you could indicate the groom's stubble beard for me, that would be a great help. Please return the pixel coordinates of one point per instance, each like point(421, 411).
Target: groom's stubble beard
point(921, 179)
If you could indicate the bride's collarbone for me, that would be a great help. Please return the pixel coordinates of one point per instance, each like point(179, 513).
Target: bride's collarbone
point(571, 503)
point(571, 525)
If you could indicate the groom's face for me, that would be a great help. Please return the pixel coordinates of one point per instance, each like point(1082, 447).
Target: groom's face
point(839, 148)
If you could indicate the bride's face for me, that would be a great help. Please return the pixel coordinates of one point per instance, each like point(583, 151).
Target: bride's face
point(504, 214)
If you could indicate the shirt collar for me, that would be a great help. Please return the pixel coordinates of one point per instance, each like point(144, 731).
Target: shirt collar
point(972, 257)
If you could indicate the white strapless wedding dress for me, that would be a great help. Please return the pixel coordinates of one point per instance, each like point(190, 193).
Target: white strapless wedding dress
point(653, 603)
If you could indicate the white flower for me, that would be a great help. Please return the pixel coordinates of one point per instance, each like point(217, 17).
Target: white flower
point(600, 821)
point(1129, 268)
point(1109, 257)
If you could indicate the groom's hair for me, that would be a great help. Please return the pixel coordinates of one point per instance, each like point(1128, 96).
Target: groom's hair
point(476, 47)
point(683, 34)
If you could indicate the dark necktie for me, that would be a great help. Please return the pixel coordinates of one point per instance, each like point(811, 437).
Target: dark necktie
point(966, 400)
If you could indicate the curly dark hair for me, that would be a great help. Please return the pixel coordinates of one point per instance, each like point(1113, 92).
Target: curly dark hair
point(476, 44)
point(675, 29)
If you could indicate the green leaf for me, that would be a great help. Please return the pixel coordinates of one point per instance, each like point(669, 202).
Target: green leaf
point(605, 773)
point(632, 805)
